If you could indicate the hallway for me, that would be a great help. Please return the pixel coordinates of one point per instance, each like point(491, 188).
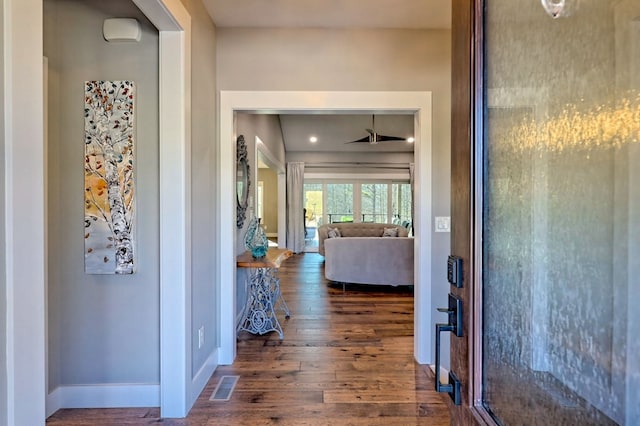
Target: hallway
point(346, 358)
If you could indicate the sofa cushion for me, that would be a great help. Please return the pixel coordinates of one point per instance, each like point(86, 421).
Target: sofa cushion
point(390, 232)
point(333, 233)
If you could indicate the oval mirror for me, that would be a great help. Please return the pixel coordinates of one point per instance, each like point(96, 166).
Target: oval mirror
point(243, 180)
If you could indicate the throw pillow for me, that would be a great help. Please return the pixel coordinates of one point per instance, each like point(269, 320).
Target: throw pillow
point(334, 233)
point(390, 232)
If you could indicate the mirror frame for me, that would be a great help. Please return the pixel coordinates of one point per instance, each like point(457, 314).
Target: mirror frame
point(243, 182)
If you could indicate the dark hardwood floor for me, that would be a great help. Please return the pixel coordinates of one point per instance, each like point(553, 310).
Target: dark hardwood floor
point(346, 359)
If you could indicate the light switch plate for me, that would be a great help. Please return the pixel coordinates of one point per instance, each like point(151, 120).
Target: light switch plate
point(443, 224)
point(200, 337)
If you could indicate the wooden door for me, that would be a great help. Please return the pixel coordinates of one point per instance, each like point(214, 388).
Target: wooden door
point(463, 109)
point(543, 214)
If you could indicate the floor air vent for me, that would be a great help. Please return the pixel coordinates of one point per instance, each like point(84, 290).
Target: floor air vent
point(224, 389)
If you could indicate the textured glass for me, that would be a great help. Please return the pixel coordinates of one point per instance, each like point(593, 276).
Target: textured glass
point(561, 213)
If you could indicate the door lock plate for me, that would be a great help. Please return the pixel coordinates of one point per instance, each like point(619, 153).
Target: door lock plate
point(454, 270)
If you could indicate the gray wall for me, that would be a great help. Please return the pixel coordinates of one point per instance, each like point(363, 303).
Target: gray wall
point(356, 60)
point(3, 282)
point(267, 128)
point(102, 328)
point(106, 329)
point(203, 136)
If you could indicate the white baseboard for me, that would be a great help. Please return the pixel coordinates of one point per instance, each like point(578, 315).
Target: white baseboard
point(444, 373)
point(103, 396)
point(203, 375)
point(123, 395)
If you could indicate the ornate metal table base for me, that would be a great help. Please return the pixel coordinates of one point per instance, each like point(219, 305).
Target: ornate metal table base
point(263, 300)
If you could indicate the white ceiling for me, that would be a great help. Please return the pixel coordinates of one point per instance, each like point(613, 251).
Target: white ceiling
point(423, 14)
point(334, 130)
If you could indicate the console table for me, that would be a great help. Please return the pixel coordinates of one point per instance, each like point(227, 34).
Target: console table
point(263, 296)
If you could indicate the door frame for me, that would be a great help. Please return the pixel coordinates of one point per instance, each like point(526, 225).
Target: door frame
point(296, 102)
point(466, 180)
point(23, 299)
point(174, 29)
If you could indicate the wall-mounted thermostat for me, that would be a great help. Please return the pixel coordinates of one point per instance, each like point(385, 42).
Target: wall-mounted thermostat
point(121, 29)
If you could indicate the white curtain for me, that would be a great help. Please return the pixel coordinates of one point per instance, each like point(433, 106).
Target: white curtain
point(412, 168)
point(295, 206)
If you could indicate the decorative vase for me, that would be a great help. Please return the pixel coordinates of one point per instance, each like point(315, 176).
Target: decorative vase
point(255, 240)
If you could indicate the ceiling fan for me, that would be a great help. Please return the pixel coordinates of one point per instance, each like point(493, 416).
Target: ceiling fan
point(374, 137)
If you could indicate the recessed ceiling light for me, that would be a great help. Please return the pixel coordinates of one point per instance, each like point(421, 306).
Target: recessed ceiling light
point(411, 139)
point(313, 139)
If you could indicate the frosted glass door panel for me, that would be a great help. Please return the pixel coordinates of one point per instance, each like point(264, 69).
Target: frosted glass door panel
point(561, 212)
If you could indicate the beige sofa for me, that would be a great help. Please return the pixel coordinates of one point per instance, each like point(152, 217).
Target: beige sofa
point(356, 230)
point(370, 259)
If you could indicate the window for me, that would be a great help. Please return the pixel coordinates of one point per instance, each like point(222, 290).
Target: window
point(374, 202)
point(260, 204)
point(379, 201)
point(339, 202)
point(401, 203)
point(313, 204)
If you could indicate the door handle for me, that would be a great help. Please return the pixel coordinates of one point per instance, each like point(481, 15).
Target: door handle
point(454, 325)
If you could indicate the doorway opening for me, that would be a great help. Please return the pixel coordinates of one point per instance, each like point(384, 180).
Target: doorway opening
point(416, 103)
point(270, 205)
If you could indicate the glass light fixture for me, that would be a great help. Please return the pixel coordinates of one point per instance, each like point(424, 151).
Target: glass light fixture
point(560, 8)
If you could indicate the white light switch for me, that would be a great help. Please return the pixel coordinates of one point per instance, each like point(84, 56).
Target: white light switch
point(200, 337)
point(443, 224)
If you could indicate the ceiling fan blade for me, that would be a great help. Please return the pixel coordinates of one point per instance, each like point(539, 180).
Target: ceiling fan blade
point(365, 139)
point(383, 138)
point(370, 131)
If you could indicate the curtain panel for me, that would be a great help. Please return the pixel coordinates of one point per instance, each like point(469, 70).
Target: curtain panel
point(295, 206)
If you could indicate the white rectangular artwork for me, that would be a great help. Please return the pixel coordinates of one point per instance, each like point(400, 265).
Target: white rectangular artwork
point(109, 195)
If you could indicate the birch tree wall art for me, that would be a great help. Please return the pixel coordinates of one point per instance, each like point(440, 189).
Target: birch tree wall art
point(109, 196)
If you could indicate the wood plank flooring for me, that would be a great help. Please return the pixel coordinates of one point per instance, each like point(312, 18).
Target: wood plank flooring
point(346, 359)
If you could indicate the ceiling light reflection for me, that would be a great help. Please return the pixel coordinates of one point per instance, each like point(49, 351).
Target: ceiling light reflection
point(579, 128)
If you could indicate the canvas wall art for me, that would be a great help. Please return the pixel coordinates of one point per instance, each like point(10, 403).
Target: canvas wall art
point(109, 193)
